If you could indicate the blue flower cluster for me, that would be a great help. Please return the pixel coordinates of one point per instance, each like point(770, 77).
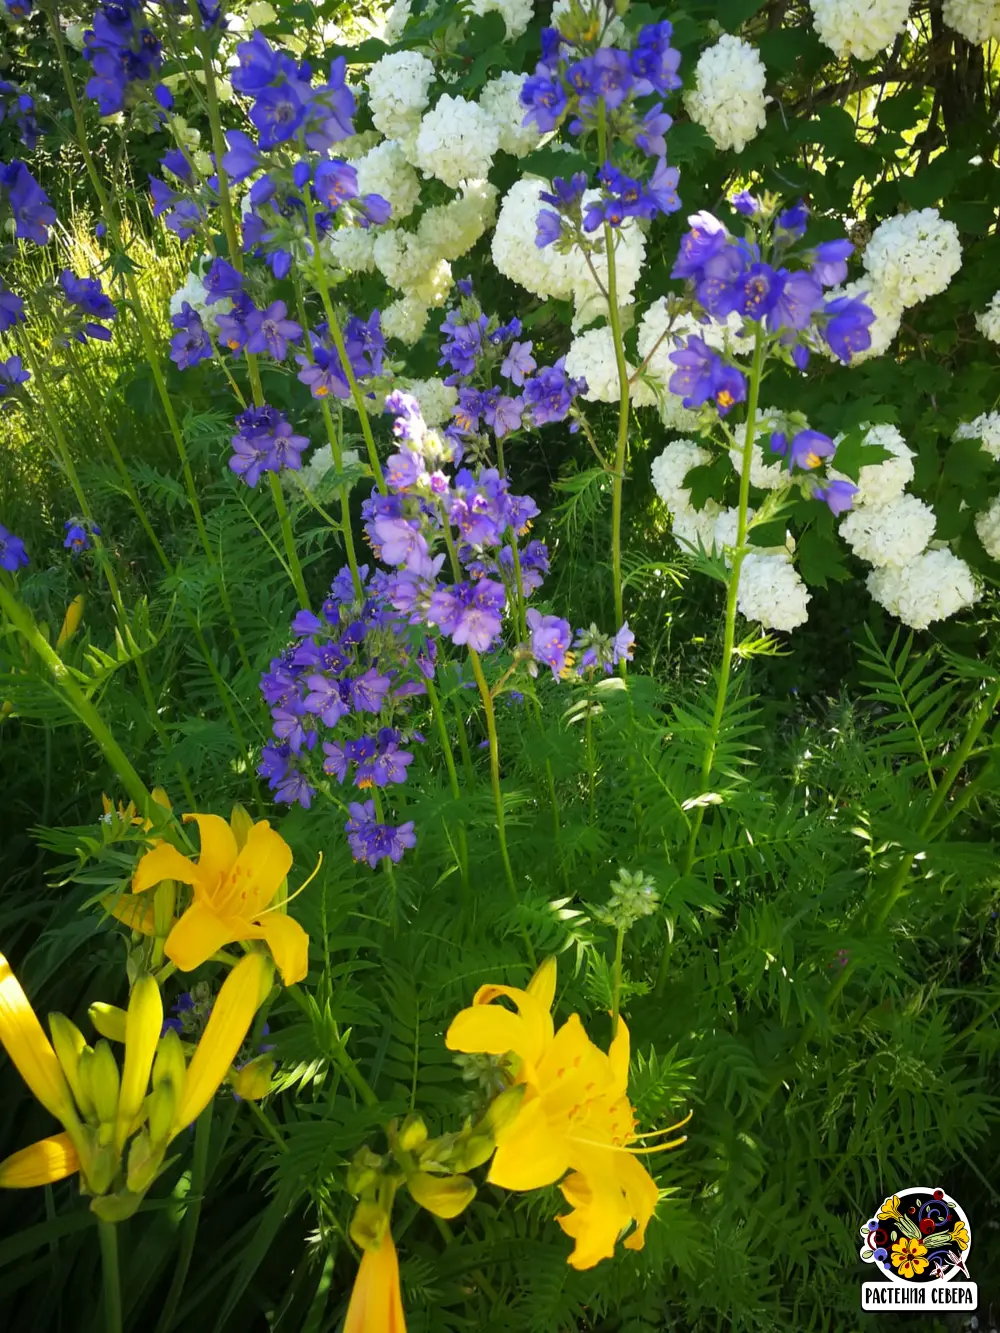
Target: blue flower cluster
point(27, 202)
point(19, 109)
point(265, 442)
point(122, 51)
point(351, 668)
point(597, 90)
point(477, 348)
point(13, 556)
point(79, 534)
point(88, 304)
point(11, 309)
point(12, 373)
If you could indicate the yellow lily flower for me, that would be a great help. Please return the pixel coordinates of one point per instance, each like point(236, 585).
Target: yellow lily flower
point(116, 1131)
point(574, 1117)
point(237, 885)
point(376, 1302)
point(71, 623)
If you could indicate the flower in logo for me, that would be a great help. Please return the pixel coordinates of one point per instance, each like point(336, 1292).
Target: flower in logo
point(960, 1235)
point(908, 1257)
point(889, 1209)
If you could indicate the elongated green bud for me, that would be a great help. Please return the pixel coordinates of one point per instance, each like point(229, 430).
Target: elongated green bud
point(142, 1033)
point(105, 1084)
point(144, 1162)
point(161, 1105)
point(169, 1065)
point(69, 1045)
point(108, 1020)
point(444, 1196)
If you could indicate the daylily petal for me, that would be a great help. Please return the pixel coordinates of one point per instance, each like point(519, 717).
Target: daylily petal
point(619, 1054)
point(258, 872)
point(529, 1154)
point(136, 913)
point(598, 1218)
point(197, 935)
point(573, 1070)
point(241, 995)
point(30, 1049)
point(484, 1030)
point(163, 862)
point(143, 1024)
point(218, 850)
point(542, 986)
point(376, 1303)
point(289, 945)
point(642, 1196)
point(536, 1021)
point(39, 1164)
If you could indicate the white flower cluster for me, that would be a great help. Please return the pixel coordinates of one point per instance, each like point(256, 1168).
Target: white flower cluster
point(859, 28)
point(889, 535)
point(728, 100)
point(988, 529)
point(194, 293)
point(398, 87)
point(394, 21)
point(879, 483)
point(988, 321)
point(891, 530)
point(913, 255)
point(456, 141)
point(692, 527)
point(319, 464)
point(384, 170)
point(771, 591)
point(405, 319)
point(986, 429)
point(935, 586)
point(591, 356)
point(436, 399)
point(350, 248)
point(516, 14)
point(977, 20)
point(547, 273)
point(501, 100)
point(883, 305)
point(614, 33)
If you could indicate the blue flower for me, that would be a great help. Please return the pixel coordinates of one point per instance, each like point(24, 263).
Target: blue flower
point(550, 640)
point(518, 363)
point(191, 343)
point(792, 221)
point(243, 156)
point(806, 450)
point(653, 61)
point(222, 280)
point(649, 134)
point(265, 442)
point(20, 109)
point(798, 296)
point(180, 215)
point(12, 373)
point(86, 295)
point(336, 182)
point(12, 553)
point(19, 9)
point(11, 309)
point(837, 495)
point(78, 535)
point(277, 113)
point(546, 101)
point(271, 331)
point(549, 396)
point(33, 212)
point(702, 375)
point(745, 203)
point(174, 161)
point(703, 242)
point(258, 65)
point(829, 261)
point(846, 329)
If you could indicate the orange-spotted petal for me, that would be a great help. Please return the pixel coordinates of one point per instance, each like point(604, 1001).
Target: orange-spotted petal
point(258, 871)
point(199, 933)
point(531, 1152)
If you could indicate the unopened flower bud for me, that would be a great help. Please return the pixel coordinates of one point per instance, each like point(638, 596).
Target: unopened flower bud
point(368, 1225)
point(472, 1152)
point(413, 1133)
point(444, 1196)
point(108, 1020)
point(105, 1084)
point(253, 1081)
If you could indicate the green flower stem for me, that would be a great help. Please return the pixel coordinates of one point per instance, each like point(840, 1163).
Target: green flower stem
point(236, 259)
point(192, 1216)
point(108, 1233)
point(21, 618)
point(729, 632)
point(624, 387)
point(338, 341)
point(616, 982)
point(491, 732)
point(341, 1057)
point(456, 791)
point(150, 349)
point(333, 436)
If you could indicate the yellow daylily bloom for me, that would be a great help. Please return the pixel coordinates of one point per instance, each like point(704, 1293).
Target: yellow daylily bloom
point(575, 1123)
point(376, 1302)
point(41, 1163)
point(116, 1131)
point(236, 894)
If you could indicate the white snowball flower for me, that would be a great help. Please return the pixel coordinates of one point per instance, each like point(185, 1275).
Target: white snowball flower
point(501, 100)
point(319, 464)
point(728, 99)
point(771, 591)
point(194, 293)
point(859, 28)
point(878, 483)
point(696, 527)
point(398, 91)
point(591, 356)
point(935, 586)
point(436, 399)
point(913, 255)
point(545, 273)
point(988, 529)
point(450, 230)
point(886, 308)
point(671, 467)
point(409, 265)
point(405, 319)
point(350, 248)
point(456, 141)
point(988, 321)
point(892, 534)
point(384, 170)
point(977, 20)
point(764, 474)
point(396, 17)
point(986, 429)
point(516, 14)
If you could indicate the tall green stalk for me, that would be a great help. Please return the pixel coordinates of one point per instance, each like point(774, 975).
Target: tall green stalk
point(108, 1233)
point(740, 551)
point(456, 791)
point(192, 1216)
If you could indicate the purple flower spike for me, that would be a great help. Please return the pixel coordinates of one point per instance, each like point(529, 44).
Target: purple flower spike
point(550, 640)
